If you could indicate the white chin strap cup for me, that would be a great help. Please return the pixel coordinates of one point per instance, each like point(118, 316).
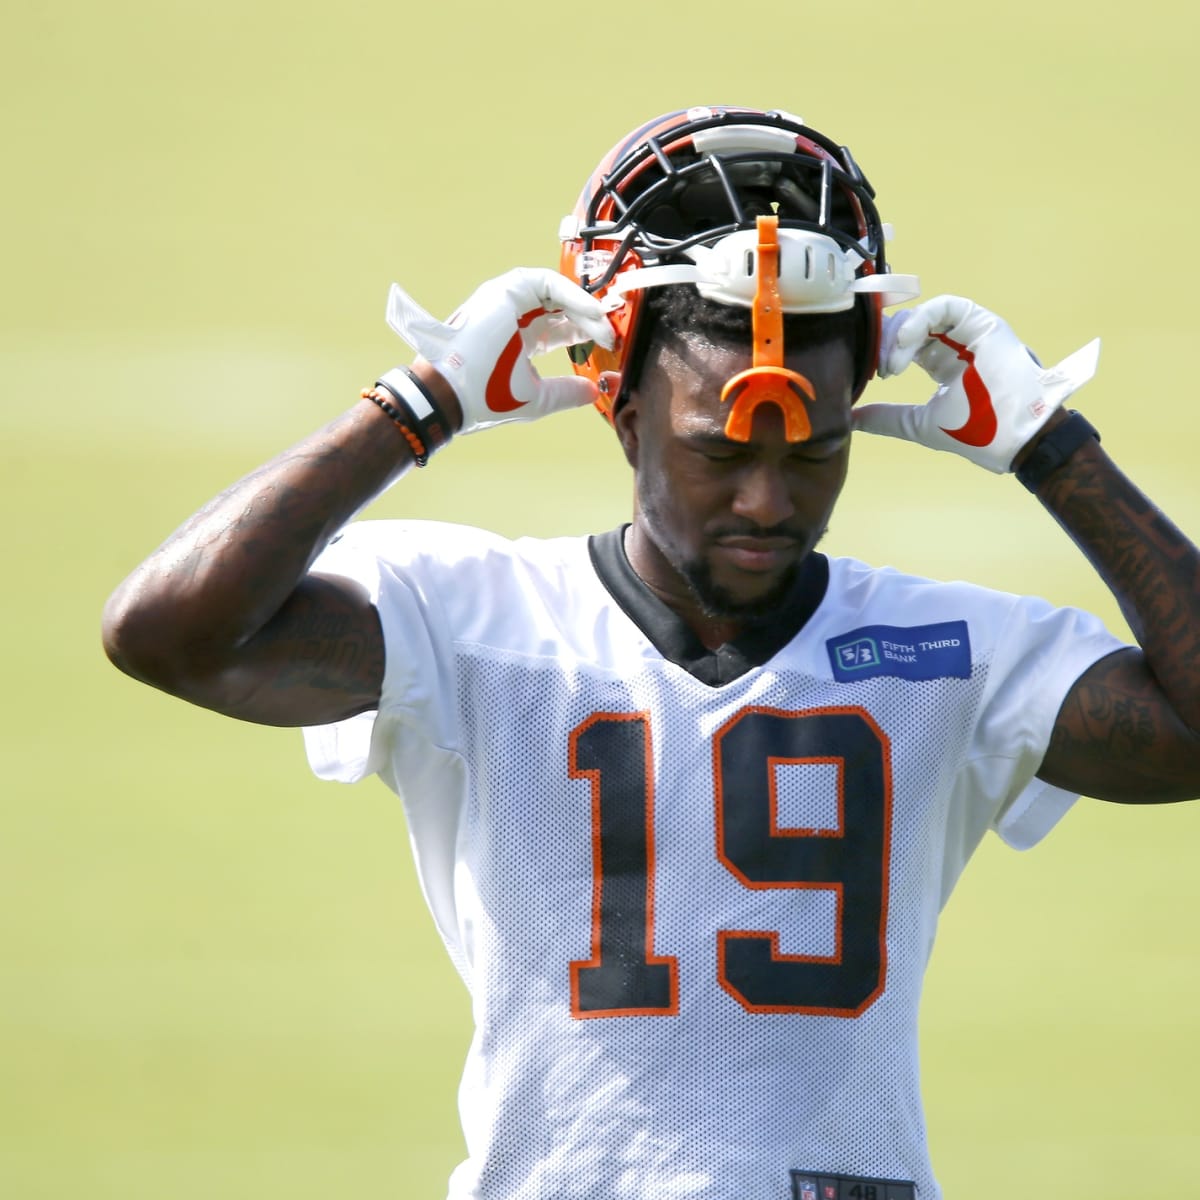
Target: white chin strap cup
point(816, 275)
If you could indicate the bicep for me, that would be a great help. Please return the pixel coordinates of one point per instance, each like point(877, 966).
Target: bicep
point(1117, 737)
point(320, 659)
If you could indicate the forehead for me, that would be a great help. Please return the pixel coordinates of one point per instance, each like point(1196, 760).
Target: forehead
point(689, 370)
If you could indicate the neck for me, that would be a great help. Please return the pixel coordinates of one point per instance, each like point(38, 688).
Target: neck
point(671, 588)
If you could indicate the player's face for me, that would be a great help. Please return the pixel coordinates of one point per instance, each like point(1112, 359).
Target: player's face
point(722, 526)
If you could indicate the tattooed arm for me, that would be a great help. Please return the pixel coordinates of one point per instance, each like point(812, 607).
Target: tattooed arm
point(225, 613)
point(1128, 729)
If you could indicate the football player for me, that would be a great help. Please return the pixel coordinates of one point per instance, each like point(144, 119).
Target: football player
point(687, 796)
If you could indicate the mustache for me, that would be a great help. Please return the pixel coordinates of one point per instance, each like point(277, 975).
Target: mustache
point(751, 530)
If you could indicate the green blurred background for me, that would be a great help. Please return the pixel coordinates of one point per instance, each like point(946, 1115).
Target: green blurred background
point(217, 978)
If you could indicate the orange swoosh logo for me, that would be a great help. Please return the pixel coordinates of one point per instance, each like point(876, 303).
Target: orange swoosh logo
point(981, 424)
point(498, 396)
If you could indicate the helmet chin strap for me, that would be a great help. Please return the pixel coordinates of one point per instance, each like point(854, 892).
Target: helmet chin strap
point(768, 381)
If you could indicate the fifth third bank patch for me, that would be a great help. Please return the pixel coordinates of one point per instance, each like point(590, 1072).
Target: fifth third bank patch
point(918, 652)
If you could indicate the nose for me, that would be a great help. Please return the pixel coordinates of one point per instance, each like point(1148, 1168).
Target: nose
point(763, 496)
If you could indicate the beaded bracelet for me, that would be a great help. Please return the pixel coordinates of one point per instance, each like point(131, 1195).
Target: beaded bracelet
point(398, 418)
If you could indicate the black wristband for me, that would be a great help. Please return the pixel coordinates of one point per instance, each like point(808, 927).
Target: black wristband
point(1054, 448)
point(428, 420)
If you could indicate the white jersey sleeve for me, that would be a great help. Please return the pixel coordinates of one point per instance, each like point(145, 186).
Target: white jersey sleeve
point(418, 687)
point(1037, 657)
point(411, 578)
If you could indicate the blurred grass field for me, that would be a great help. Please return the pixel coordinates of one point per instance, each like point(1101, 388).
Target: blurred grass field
point(217, 978)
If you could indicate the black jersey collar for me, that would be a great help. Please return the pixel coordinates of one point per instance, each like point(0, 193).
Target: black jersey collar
point(674, 639)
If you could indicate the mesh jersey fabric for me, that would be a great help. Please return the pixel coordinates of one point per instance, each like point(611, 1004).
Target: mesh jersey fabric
point(694, 920)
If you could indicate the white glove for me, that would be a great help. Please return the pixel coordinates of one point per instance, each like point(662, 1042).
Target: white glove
point(483, 351)
point(992, 396)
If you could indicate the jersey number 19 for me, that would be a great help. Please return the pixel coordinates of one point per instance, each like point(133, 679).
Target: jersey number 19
point(624, 976)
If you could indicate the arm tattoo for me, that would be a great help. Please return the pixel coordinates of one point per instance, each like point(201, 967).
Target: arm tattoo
point(1130, 723)
point(317, 642)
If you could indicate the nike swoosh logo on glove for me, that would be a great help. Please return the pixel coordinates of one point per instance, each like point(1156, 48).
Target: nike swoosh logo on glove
point(981, 424)
point(498, 396)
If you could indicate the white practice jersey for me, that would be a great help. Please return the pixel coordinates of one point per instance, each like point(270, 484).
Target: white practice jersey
point(693, 895)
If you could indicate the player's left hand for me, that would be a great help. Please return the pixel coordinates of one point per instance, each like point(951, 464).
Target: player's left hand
point(483, 351)
point(993, 395)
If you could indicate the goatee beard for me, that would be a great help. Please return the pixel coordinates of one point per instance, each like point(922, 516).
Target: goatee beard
point(718, 603)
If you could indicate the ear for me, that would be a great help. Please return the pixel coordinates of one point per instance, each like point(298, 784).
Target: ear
point(626, 422)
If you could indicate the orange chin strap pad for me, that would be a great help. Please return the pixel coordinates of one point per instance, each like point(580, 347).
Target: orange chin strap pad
point(768, 380)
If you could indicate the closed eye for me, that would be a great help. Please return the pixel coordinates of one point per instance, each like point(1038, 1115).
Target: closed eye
point(717, 449)
point(722, 450)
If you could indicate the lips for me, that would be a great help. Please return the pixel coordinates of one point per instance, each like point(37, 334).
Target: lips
point(758, 554)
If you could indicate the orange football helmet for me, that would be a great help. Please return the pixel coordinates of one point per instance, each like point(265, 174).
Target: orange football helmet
point(677, 200)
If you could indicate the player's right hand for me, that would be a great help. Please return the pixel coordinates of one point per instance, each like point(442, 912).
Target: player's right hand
point(483, 350)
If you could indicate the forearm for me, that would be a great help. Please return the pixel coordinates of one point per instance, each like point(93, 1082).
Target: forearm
point(229, 569)
point(1151, 567)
